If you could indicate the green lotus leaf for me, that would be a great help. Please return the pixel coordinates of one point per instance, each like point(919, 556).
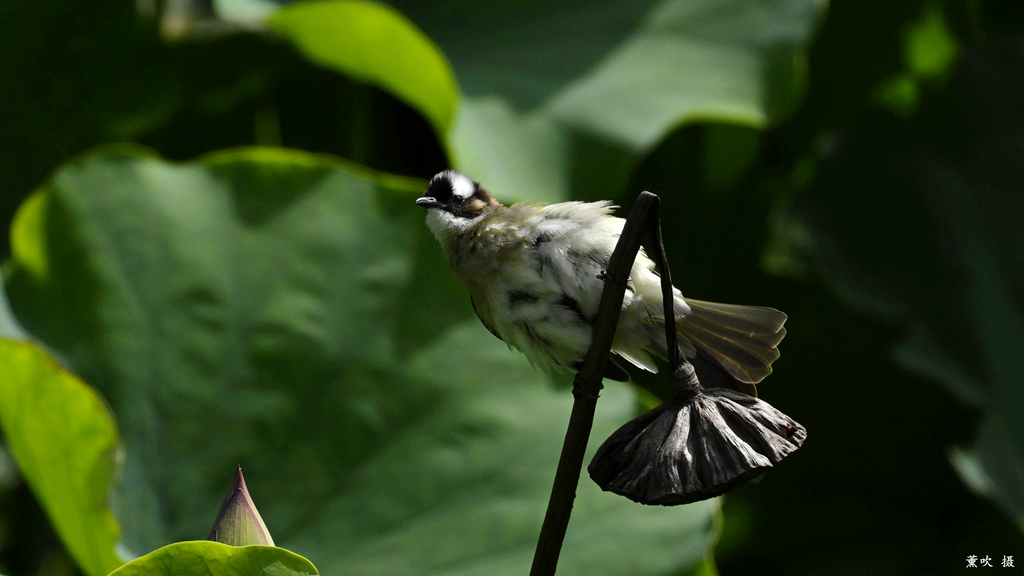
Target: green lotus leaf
point(199, 558)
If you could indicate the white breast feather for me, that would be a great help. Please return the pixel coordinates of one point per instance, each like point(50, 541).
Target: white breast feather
point(443, 225)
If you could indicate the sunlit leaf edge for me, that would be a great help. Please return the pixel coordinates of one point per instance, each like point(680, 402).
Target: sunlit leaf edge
point(216, 559)
point(92, 542)
point(422, 77)
point(28, 252)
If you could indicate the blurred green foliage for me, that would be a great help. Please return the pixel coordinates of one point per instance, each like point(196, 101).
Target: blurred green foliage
point(289, 312)
point(939, 197)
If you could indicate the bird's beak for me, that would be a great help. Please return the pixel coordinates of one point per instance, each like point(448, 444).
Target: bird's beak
point(428, 202)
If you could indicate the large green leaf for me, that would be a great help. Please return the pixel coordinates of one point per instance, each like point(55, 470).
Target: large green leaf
point(65, 443)
point(919, 222)
point(563, 99)
point(291, 314)
point(215, 559)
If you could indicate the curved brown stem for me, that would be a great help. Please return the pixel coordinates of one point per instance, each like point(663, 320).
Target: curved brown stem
point(657, 247)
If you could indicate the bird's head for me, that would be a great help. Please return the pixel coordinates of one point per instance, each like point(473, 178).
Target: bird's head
point(454, 202)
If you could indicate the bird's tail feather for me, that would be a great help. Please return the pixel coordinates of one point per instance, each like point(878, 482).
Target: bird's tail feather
point(742, 340)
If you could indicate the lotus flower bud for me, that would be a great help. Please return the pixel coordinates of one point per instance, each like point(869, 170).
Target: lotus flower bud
point(239, 523)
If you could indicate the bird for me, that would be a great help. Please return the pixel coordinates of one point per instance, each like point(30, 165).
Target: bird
point(535, 274)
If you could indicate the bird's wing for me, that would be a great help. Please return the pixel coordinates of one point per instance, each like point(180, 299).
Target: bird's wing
point(483, 321)
point(742, 340)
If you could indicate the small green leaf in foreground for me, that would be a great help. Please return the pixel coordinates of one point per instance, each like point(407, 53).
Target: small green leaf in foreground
point(65, 442)
point(216, 559)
